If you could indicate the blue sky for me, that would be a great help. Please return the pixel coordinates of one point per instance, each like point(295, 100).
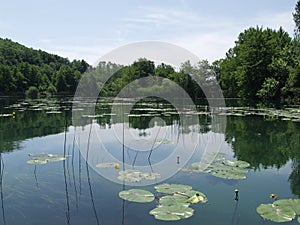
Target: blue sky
point(89, 29)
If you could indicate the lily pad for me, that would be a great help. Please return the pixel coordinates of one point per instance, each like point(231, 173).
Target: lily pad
point(202, 167)
point(229, 175)
point(237, 163)
point(276, 213)
point(190, 170)
point(226, 169)
point(150, 176)
point(130, 179)
point(37, 161)
point(174, 200)
point(133, 176)
point(172, 213)
point(55, 159)
point(44, 158)
point(106, 165)
point(137, 195)
point(293, 203)
point(172, 188)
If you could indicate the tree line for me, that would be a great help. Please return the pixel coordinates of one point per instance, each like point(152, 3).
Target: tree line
point(22, 69)
point(263, 65)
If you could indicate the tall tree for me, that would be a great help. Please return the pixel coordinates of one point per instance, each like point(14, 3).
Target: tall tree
point(249, 66)
point(296, 16)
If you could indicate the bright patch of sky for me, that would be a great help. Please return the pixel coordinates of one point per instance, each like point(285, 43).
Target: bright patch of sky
point(89, 29)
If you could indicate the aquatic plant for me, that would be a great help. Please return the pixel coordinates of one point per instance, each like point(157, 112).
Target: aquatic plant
point(173, 205)
point(45, 158)
point(216, 165)
point(133, 176)
point(283, 210)
point(137, 195)
point(106, 165)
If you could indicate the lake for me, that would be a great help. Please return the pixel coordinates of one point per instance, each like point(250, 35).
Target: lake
point(82, 184)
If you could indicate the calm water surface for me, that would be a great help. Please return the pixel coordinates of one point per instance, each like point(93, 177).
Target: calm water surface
point(72, 192)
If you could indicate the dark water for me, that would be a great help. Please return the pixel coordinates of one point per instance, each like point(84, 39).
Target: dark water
point(72, 192)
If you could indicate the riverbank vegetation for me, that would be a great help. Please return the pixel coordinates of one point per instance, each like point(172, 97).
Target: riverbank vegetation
point(262, 66)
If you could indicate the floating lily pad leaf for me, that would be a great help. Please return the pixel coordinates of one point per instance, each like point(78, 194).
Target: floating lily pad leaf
point(171, 213)
point(150, 176)
point(106, 165)
point(202, 167)
point(37, 161)
point(44, 158)
point(130, 177)
point(191, 170)
point(166, 217)
point(293, 203)
point(55, 159)
point(133, 176)
point(215, 164)
point(174, 200)
point(276, 213)
point(172, 188)
point(237, 163)
point(229, 175)
point(137, 195)
point(130, 172)
point(46, 155)
point(222, 167)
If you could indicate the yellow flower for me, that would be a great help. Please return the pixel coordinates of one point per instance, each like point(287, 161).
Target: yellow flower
point(196, 198)
point(274, 196)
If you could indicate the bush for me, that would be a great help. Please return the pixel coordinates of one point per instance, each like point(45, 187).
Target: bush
point(32, 92)
point(51, 90)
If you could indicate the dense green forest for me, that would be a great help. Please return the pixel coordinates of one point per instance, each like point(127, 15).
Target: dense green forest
point(23, 69)
point(263, 66)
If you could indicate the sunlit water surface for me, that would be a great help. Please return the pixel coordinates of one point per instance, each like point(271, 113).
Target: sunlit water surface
point(73, 192)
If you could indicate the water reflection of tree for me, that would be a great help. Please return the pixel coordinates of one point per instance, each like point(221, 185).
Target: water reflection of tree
point(294, 179)
point(263, 142)
point(266, 143)
point(28, 124)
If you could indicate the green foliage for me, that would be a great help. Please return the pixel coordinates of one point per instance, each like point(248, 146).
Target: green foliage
point(269, 88)
point(137, 195)
point(32, 92)
point(262, 66)
point(171, 207)
point(255, 67)
point(22, 67)
point(283, 210)
point(296, 16)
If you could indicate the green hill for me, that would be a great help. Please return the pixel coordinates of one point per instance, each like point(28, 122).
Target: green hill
point(23, 68)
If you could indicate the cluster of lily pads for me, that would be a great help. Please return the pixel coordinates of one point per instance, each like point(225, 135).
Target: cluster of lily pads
point(50, 106)
point(107, 165)
point(174, 204)
point(283, 210)
point(133, 176)
point(292, 114)
point(45, 158)
point(218, 166)
point(130, 176)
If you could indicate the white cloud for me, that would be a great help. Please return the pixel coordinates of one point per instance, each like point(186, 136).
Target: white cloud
point(283, 19)
point(209, 37)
